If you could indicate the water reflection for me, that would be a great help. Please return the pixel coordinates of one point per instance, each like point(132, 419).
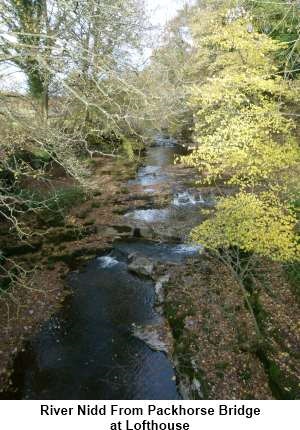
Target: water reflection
point(87, 351)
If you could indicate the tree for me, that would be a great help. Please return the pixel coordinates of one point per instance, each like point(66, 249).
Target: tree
point(166, 78)
point(29, 37)
point(79, 62)
point(245, 138)
point(79, 55)
point(280, 20)
point(52, 39)
point(241, 127)
point(255, 225)
point(246, 227)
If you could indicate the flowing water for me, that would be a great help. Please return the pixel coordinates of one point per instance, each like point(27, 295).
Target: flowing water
point(87, 350)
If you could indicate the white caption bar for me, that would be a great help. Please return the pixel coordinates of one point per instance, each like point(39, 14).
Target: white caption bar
point(150, 415)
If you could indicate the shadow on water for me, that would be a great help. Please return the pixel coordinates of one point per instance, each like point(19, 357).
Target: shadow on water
point(87, 350)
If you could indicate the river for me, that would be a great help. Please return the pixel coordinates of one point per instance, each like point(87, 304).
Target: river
point(88, 350)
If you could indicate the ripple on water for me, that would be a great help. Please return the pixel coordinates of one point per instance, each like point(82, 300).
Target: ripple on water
point(165, 141)
point(149, 175)
point(187, 249)
point(107, 261)
point(149, 170)
point(158, 251)
point(187, 199)
point(149, 215)
point(87, 350)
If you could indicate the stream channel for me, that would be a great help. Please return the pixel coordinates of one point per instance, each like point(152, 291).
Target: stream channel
point(88, 350)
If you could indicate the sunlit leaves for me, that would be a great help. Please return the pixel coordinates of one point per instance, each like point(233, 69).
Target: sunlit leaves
point(253, 224)
point(240, 127)
point(246, 138)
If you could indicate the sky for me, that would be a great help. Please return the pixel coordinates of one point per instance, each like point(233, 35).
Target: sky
point(159, 11)
point(163, 10)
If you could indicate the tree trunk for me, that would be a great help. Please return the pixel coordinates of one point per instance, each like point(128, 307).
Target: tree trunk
point(45, 104)
point(245, 295)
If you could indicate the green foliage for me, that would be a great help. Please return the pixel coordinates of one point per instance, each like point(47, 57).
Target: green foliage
point(52, 208)
point(280, 20)
point(128, 149)
point(165, 78)
point(252, 224)
point(64, 199)
point(132, 148)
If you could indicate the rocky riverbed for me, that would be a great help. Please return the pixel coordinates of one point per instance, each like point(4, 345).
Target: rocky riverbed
point(145, 314)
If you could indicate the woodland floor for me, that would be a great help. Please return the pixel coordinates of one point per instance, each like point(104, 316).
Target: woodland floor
point(215, 335)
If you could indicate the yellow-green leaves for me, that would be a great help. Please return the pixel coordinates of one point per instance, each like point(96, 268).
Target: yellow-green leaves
point(245, 138)
point(259, 225)
point(242, 133)
point(247, 148)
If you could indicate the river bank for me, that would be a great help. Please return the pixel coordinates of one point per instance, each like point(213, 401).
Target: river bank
point(150, 302)
point(53, 251)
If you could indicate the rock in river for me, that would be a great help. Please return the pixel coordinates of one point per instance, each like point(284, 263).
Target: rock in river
point(141, 266)
point(157, 336)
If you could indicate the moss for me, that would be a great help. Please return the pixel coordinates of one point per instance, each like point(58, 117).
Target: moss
point(281, 385)
point(124, 190)
point(177, 324)
point(53, 207)
point(119, 211)
point(222, 365)
point(246, 375)
point(132, 148)
point(185, 341)
point(186, 366)
point(36, 157)
point(57, 236)
point(50, 265)
point(191, 183)
point(91, 162)
point(91, 221)
point(282, 388)
point(292, 271)
point(21, 249)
